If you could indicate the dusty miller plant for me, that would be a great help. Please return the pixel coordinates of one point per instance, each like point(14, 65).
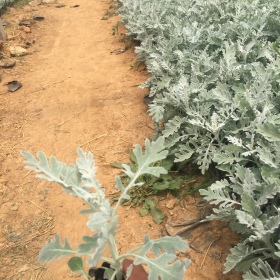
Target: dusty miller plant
point(215, 69)
point(211, 61)
point(5, 3)
point(80, 181)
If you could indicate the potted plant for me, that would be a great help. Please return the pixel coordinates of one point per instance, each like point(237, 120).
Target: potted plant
point(80, 181)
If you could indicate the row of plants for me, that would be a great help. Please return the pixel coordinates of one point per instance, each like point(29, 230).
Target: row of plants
point(4, 4)
point(215, 85)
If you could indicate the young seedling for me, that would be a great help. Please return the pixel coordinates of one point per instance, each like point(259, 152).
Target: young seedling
point(80, 181)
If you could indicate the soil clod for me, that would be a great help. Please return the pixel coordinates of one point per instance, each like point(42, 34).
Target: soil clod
point(118, 51)
point(60, 6)
point(5, 23)
point(8, 64)
point(148, 99)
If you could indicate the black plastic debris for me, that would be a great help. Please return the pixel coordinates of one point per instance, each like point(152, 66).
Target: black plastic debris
point(38, 17)
point(99, 273)
point(24, 23)
point(29, 42)
point(75, 6)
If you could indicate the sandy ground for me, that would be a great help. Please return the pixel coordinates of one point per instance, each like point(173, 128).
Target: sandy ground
point(75, 93)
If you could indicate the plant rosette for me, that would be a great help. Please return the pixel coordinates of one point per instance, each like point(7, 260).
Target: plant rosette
point(80, 181)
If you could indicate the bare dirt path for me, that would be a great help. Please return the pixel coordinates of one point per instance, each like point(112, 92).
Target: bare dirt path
point(74, 93)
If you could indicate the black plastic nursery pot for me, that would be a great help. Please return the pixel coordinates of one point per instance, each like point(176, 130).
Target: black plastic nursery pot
point(98, 273)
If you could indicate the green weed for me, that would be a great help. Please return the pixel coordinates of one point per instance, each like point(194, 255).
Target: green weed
point(179, 181)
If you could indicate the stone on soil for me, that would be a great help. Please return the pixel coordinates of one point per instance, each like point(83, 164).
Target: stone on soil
point(17, 51)
point(35, 3)
point(8, 64)
point(48, 1)
point(26, 29)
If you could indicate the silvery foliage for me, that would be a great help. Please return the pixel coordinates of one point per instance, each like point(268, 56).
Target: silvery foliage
point(4, 3)
point(80, 181)
point(215, 71)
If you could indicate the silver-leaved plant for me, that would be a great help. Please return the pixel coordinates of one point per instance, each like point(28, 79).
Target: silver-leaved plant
point(80, 181)
point(214, 78)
